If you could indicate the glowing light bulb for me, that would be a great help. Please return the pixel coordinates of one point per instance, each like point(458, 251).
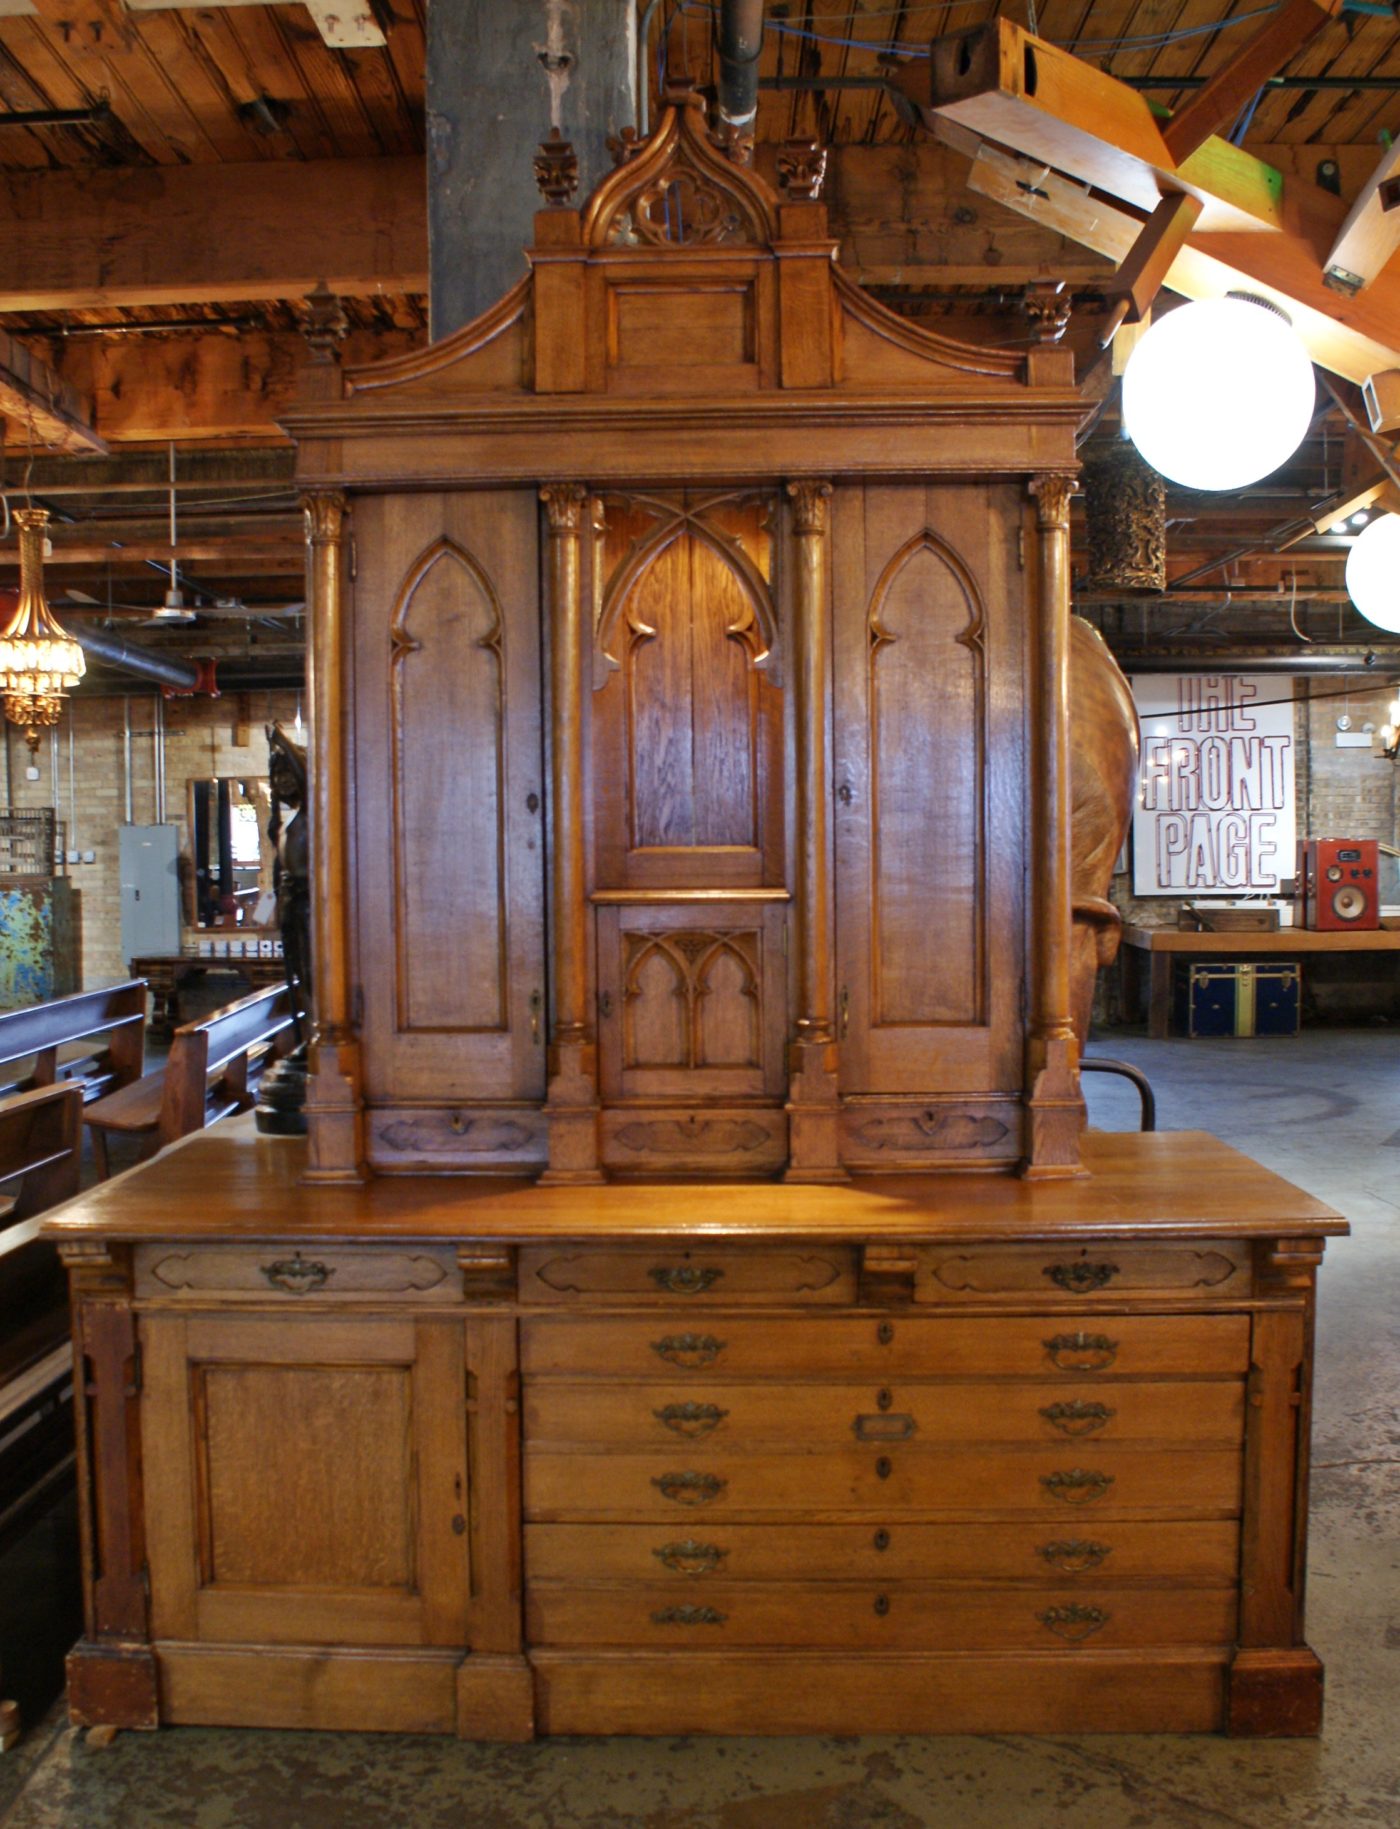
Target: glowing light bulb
point(1373, 573)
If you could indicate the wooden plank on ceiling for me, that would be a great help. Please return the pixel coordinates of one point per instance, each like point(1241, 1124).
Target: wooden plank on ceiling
point(72, 240)
point(40, 405)
point(1217, 104)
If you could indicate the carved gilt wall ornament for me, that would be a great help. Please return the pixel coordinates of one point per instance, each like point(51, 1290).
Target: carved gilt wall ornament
point(556, 169)
point(1125, 509)
point(801, 169)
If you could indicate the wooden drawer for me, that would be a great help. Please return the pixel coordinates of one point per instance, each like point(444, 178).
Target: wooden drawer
point(693, 1277)
point(694, 1554)
point(284, 1273)
point(1092, 1273)
point(1078, 1480)
point(868, 1616)
point(1102, 1346)
point(801, 1416)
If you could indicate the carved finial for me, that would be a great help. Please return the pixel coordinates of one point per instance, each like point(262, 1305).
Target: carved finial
point(326, 323)
point(801, 169)
point(1048, 306)
point(556, 169)
point(735, 142)
point(625, 145)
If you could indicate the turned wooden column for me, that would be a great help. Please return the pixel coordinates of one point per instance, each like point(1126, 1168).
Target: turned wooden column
point(813, 1111)
point(334, 1105)
point(572, 1100)
point(1056, 1104)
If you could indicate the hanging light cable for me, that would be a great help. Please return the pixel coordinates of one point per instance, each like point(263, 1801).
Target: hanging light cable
point(39, 660)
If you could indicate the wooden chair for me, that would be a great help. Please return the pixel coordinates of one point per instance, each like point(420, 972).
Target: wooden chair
point(212, 1071)
point(95, 1038)
point(40, 1154)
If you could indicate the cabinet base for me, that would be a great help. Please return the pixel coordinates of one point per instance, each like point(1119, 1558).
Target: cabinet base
point(627, 1692)
point(1275, 1693)
point(112, 1685)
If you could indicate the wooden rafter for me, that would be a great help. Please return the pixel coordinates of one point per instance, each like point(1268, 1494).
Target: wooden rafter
point(39, 405)
point(1220, 100)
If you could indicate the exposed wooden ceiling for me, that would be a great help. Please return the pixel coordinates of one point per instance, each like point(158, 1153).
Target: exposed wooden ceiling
point(155, 266)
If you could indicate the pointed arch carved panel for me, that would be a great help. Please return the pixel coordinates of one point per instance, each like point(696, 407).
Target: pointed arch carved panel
point(687, 718)
point(449, 811)
point(927, 677)
point(447, 676)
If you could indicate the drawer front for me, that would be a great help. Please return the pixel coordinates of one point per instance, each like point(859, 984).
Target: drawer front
point(1102, 1347)
point(1076, 1482)
point(695, 1278)
point(1090, 1273)
point(869, 1616)
point(694, 1554)
point(744, 1416)
point(288, 1274)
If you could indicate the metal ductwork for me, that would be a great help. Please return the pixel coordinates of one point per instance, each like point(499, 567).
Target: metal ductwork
point(118, 653)
point(740, 39)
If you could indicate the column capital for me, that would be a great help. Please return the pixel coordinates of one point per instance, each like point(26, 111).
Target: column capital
point(1052, 490)
point(810, 497)
point(325, 515)
point(563, 503)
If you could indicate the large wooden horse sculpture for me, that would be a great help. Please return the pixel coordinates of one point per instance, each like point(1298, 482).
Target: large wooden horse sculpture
point(1103, 778)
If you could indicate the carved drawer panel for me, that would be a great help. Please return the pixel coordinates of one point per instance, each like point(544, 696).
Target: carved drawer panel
point(1074, 1482)
point(1104, 1347)
point(458, 1139)
point(693, 1554)
point(285, 1273)
point(871, 1615)
point(682, 1278)
point(720, 1143)
point(882, 1135)
point(1072, 1274)
point(743, 1416)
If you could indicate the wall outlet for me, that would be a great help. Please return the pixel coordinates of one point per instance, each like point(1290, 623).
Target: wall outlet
point(70, 857)
point(89, 857)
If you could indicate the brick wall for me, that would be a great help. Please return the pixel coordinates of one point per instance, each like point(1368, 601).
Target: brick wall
point(203, 737)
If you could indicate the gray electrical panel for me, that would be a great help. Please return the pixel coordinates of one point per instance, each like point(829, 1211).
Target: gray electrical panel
point(150, 872)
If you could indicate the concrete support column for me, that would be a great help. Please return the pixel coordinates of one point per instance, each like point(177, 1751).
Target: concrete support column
point(500, 74)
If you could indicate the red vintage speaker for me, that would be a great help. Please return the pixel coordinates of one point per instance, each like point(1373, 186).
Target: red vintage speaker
point(1340, 882)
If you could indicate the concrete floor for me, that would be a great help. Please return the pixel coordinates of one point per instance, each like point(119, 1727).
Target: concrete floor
point(1324, 1110)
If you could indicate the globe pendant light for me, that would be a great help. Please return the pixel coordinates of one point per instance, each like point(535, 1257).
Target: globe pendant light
point(1373, 572)
point(39, 661)
point(1219, 393)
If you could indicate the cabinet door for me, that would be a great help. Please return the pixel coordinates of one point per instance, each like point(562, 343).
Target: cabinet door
point(306, 1482)
point(929, 784)
point(449, 795)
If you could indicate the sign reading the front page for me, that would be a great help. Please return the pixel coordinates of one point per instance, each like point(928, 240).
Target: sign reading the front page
point(1215, 813)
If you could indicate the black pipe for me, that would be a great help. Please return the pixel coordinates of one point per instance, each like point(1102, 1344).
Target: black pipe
point(161, 668)
point(1097, 1063)
point(739, 42)
point(58, 117)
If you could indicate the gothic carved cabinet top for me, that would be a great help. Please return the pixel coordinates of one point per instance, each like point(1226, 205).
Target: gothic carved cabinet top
point(676, 733)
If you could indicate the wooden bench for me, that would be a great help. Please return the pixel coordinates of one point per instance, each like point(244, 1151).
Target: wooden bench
point(95, 1038)
point(212, 1071)
point(40, 1154)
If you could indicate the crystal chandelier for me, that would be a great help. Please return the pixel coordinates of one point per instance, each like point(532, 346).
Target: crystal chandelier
point(38, 660)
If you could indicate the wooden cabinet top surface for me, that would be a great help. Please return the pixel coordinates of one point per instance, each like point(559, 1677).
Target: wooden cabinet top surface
point(230, 1183)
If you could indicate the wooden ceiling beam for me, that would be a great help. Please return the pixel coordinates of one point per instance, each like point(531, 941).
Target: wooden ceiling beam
point(87, 239)
point(1371, 232)
point(1221, 99)
point(40, 406)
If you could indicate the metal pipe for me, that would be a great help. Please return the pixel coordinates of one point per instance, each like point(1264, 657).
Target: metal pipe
point(739, 42)
point(161, 668)
point(58, 117)
point(1233, 662)
point(158, 738)
point(126, 756)
point(644, 69)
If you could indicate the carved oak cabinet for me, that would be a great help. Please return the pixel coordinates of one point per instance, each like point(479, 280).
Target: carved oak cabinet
point(696, 1305)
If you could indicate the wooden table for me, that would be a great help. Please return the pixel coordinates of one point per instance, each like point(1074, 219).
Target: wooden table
point(1162, 945)
point(166, 972)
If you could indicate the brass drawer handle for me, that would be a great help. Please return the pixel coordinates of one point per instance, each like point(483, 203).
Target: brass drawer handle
point(1077, 1487)
point(690, 1557)
point(690, 1418)
point(1081, 1352)
point(689, 1616)
point(1081, 1279)
point(871, 1428)
point(690, 1351)
point(690, 1488)
point(1074, 1623)
point(1076, 1557)
point(684, 1279)
point(296, 1274)
point(1078, 1418)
